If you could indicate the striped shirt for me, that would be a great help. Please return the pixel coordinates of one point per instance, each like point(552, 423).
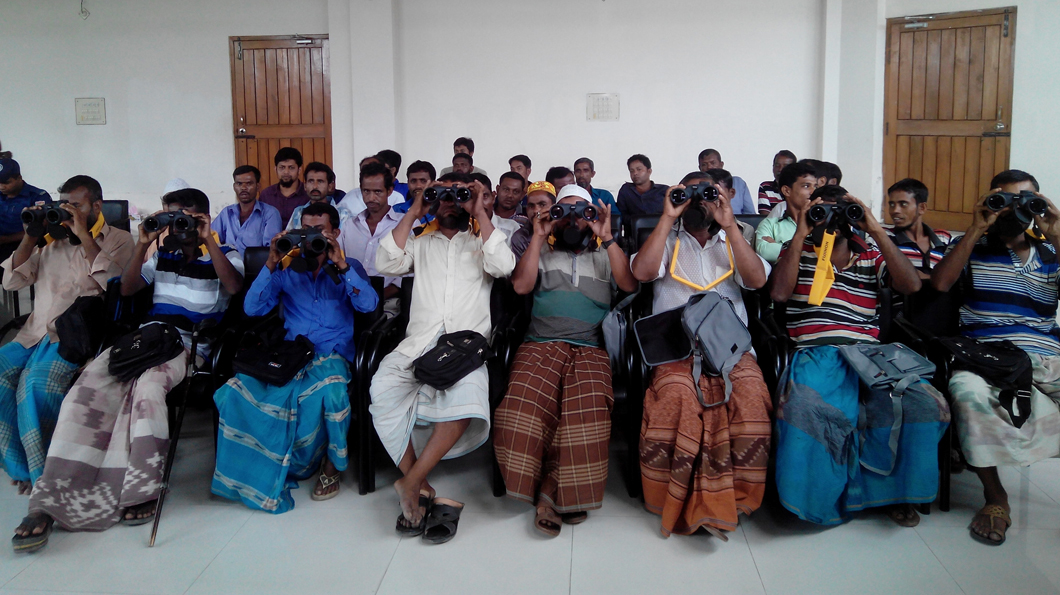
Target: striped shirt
point(572, 297)
point(848, 312)
point(768, 196)
point(1005, 299)
point(925, 261)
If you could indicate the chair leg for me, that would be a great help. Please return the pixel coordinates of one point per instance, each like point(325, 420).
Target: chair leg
point(946, 468)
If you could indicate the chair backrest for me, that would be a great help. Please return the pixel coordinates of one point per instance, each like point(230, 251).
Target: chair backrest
point(253, 261)
point(752, 220)
point(116, 214)
point(641, 227)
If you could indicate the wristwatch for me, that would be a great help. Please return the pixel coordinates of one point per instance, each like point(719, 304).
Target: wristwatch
point(607, 244)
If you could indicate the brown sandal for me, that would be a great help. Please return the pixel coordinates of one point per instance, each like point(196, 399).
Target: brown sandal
point(547, 521)
point(995, 513)
point(575, 518)
point(904, 515)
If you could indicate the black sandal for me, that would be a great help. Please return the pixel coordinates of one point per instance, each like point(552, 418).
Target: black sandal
point(136, 510)
point(28, 544)
point(404, 527)
point(442, 520)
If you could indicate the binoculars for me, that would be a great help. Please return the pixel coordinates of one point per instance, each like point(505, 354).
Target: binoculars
point(311, 242)
point(848, 211)
point(581, 210)
point(702, 191)
point(178, 222)
point(455, 193)
point(1024, 201)
point(50, 214)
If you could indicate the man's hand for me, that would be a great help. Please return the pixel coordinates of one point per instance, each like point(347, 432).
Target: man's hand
point(802, 222)
point(274, 253)
point(1049, 224)
point(669, 210)
point(419, 208)
point(147, 237)
point(477, 205)
point(722, 211)
point(203, 221)
point(602, 226)
point(78, 223)
point(869, 224)
point(335, 252)
point(543, 224)
point(983, 217)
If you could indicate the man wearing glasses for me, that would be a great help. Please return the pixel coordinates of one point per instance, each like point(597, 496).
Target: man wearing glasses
point(711, 254)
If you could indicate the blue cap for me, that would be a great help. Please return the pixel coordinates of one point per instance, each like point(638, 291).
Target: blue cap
point(8, 169)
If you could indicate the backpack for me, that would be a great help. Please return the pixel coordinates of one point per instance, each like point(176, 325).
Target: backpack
point(707, 328)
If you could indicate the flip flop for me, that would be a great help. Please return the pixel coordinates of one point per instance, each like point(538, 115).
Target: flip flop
point(442, 520)
point(995, 513)
point(326, 481)
point(575, 518)
point(904, 515)
point(547, 521)
point(403, 527)
point(136, 510)
point(32, 543)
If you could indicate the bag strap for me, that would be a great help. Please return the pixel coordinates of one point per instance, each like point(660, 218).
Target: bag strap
point(896, 425)
point(626, 301)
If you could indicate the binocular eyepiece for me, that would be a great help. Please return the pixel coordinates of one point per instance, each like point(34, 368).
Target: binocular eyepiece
point(581, 210)
point(310, 241)
point(848, 211)
point(1025, 201)
point(52, 214)
point(456, 193)
point(702, 191)
point(178, 222)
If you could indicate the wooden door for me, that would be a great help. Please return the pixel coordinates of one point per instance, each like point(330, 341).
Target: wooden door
point(281, 97)
point(949, 106)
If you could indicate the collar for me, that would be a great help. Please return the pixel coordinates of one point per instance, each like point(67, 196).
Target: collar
point(902, 239)
point(692, 241)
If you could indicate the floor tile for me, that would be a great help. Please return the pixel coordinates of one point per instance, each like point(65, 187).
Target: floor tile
point(303, 551)
point(628, 555)
point(1031, 505)
point(490, 554)
point(1046, 475)
point(867, 555)
point(11, 513)
point(1025, 563)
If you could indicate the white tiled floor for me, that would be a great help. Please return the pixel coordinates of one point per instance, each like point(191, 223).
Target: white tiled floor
point(347, 545)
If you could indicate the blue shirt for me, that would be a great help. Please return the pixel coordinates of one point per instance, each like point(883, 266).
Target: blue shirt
point(316, 307)
point(258, 230)
point(742, 202)
point(11, 208)
point(401, 188)
point(604, 197)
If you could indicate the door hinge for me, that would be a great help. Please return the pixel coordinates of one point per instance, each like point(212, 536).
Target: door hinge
point(1004, 29)
point(239, 50)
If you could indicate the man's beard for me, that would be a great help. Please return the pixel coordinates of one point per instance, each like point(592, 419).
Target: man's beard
point(585, 184)
point(694, 219)
point(287, 183)
point(902, 228)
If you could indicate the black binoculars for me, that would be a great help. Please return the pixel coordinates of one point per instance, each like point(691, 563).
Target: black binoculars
point(581, 210)
point(178, 222)
point(702, 191)
point(49, 214)
point(311, 242)
point(455, 193)
point(1026, 201)
point(848, 211)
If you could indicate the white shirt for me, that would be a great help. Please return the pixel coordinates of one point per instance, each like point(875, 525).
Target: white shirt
point(700, 265)
point(359, 243)
point(508, 226)
point(453, 281)
point(354, 200)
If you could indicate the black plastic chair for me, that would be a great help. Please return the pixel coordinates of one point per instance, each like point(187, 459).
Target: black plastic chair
point(116, 214)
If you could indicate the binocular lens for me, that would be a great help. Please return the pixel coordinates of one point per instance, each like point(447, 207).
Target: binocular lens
point(556, 212)
point(285, 244)
point(855, 213)
point(430, 194)
point(589, 213)
point(1037, 206)
point(56, 215)
point(183, 223)
point(678, 197)
point(818, 213)
point(317, 245)
point(996, 202)
point(463, 195)
point(29, 217)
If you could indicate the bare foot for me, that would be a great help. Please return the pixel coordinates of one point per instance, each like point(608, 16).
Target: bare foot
point(24, 487)
point(33, 525)
point(140, 511)
point(409, 495)
point(426, 487)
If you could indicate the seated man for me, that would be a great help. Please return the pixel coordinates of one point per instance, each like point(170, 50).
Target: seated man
point(15, 195)
point(1009, 291)
point(392, 160)
point(510, 192)
point(249, 223)
point(742, 202)
point(584, 172)
point(702, 466)
point(106, 459)
point(465, 146)
point(360, 235)
point(317, 178)
point(540, 196)
point(553, 426)
point(33, 376)
point(769, 194)
point(505, 225)
point(520, 164)
point(455, 260)
point(420, 175)
point(353, 202)
point(797, 182)
point(640, 196)
point(262, 455)
point(723, 182)
point(820, 449)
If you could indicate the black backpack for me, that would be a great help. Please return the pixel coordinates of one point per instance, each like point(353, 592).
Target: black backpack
point(264, 354)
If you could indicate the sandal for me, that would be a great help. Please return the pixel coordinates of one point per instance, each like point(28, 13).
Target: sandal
point(404, 527)
point(30, 543)
point(995, 513)
point(136, 510)
point(442, 520)
point(326, 481)
point(904, 515)
point(547, 521)
point(575, 518)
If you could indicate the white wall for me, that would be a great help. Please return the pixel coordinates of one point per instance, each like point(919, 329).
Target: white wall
point(163, 68)
point(691, 74)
